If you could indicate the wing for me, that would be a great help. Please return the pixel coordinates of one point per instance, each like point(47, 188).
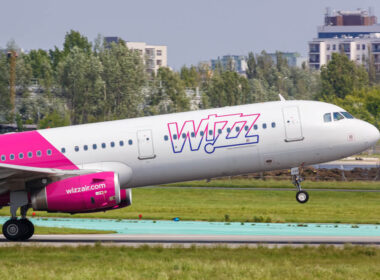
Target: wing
point(10, 173)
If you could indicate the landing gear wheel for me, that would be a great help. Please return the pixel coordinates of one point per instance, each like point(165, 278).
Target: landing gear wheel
point(302, 196)
point(27, 229)
point(13, 229)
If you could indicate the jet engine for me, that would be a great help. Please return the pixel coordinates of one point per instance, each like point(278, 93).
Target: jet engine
point(86, 193)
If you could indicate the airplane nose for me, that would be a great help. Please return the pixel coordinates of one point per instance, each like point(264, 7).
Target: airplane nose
point(373, 134)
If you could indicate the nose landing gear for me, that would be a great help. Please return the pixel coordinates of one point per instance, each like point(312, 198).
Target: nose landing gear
point(301, 196)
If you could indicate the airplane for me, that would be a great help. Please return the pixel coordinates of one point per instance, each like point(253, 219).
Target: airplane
point(93, 167)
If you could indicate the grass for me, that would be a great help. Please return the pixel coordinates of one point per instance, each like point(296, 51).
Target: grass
point(250, 183)
point(99, 262)
point(59, 230)
point(242, 206)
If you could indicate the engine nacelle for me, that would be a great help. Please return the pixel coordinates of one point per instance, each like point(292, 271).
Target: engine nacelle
point(86, 193)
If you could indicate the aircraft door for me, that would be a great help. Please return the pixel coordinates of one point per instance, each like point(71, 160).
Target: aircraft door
point(292, 122)
point(145, 144)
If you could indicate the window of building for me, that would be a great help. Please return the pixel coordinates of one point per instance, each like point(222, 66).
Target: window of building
point(159, 52)
point(166, 138)
point(327, 117)
point(328, 57)
point(12, 156)
point(334, 47)
point(328, 47)
point(48, 152)
point(94, 146)
point(3, 158)
point(112, 144)
point(76, 148)
point(363, 47)
point(273, 124)
point(63, 150)
point(264, 125)
point(30, 154)
point(85, 147)
point(20, 155)
point(121, 143)
point(358, 57)
point(130, 142)
point(159, 62)
point(104, 145)
point(358, 47)
point(337, 116)
point(39, 153)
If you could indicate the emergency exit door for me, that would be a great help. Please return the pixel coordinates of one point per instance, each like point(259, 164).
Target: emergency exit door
point(293, 127)
point(145, 144)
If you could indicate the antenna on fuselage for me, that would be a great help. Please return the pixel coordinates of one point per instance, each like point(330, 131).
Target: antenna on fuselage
point(281, 97)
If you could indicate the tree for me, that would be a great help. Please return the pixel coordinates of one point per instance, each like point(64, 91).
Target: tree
point(75, 39)
point(190, 76)
point(39, 62)
point(4, 88)
point(251, 66)
point(341, 76)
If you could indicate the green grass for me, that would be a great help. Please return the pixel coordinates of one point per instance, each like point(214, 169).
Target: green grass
point(59, 230)
point(243, 205)
point(98, 262)
point(251, 183)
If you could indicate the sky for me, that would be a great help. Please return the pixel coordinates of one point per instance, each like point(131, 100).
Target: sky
point(193, 30)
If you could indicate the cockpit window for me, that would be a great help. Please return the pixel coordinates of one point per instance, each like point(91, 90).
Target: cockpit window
point(327, 117)
point(347, 115)
point(337, 116)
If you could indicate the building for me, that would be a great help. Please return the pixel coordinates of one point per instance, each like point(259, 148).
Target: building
point(355, 33)
point(293, 59)
point(154, 56)
point(236, 63)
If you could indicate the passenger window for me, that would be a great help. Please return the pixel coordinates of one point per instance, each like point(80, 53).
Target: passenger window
point(264, 125)
point(183, 135)
point(192, 134)
point(76, 148)
point(175, 136)
point(219, 131)
point(228, 129)
point(3, 158)
point(246, 128)
point(255, 127)
point(85, 147)
point(166, 138)
point(63, 150)
point(103, 145)
point(38, 153)
point(237, 129)
point(273, 124)
point(48, 152)
point(130, 142)
point(327, 117)
point(337, 116)
point(30, 154)
point(12, 156)
point(94, 146)
point(112, 144)
point(210, 132)
point(121, 143)
point(201, 133)
point(347, 115)
point(20, 155)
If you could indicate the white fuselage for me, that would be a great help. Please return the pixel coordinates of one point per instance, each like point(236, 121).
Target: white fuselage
point(215, 142)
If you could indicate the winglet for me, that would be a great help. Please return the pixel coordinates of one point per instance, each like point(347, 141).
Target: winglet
point(281, 97)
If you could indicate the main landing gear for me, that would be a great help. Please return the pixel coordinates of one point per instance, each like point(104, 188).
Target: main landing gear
point(18, 229)
point(301, 196)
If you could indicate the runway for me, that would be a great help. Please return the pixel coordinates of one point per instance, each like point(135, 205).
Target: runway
point(169, 240)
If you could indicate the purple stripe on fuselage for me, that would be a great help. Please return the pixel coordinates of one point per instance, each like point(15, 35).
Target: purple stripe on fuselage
point(32, 149)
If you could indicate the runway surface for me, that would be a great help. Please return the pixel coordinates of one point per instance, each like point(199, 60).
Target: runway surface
point(168, 240)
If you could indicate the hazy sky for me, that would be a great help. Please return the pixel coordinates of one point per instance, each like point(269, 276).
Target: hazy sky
point(193, 30)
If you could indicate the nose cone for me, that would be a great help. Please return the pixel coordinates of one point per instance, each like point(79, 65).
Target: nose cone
point(372, 135)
